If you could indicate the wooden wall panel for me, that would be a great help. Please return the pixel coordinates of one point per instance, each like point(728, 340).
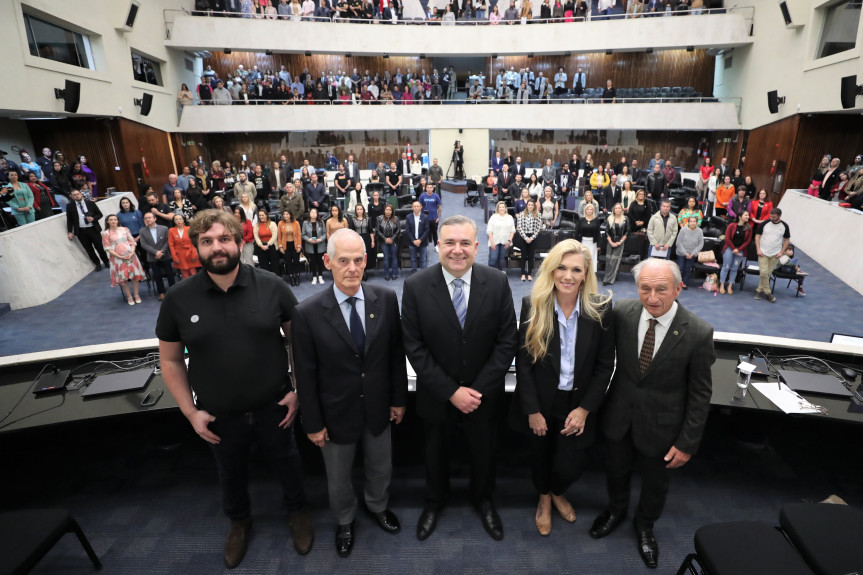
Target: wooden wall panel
point(265, 147)
point(627, 69)
point(603, 145)
point(773, 142)
point(225, 64)
point(108, 143)
point(89, 137)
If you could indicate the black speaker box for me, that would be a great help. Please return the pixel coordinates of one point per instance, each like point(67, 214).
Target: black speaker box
point(71, 96)
point(146, 104)
point(773, 101)
point(849, 91)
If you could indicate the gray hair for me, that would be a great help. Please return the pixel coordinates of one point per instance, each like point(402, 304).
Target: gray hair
point(667, 264)
point(339, 234)
point(459, 220)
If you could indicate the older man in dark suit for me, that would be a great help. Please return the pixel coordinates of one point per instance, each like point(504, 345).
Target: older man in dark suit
point(460, 337)
point(350, 389)
point(657, 404)
point(154, 241)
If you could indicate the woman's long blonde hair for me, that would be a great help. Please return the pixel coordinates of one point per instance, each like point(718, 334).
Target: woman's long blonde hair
point(541, 320)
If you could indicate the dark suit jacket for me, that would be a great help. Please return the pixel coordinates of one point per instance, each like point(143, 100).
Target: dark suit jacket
point(161, 244)
point(446, 356)
point(410, 231)
point(537, 382)
point(828, 183)
point(72, 213)
point(356, 166)
point(338, 388)
point(400, 168)
point(504, 183)
point(516, 169)
point(667, 405)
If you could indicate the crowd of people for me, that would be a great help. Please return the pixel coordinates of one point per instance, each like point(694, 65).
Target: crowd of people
point(457, 326)
point(34, 187)
point(619, 202)
point(475, 11)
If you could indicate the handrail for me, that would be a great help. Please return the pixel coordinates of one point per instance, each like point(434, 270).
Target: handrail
point(463, 22)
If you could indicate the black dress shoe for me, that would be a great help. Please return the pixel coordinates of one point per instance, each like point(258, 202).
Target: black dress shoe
point(647, 547)
point(98, 268)
point(386, 278)
point(605, 523)
point(345, 539)
point(426, 524)
point(490, 520)
point(387, 520)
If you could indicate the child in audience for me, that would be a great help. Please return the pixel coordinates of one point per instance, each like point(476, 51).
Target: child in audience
point(792, 266)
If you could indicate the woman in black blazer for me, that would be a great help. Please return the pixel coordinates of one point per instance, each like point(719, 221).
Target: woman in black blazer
point(561, 379)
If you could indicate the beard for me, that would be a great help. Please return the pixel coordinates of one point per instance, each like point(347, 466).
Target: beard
point(232, 260)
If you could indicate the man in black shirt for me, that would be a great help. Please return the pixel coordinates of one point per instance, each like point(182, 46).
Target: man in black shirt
point(262, 187)
point(240, 395)
point(394, 180)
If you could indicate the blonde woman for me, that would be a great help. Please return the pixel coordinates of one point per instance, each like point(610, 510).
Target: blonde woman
point(553, 403)
point(588, 199)
point(500, 229)
point(587, 231)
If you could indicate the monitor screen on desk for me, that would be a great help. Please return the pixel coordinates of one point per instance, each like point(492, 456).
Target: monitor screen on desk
point(845, 339)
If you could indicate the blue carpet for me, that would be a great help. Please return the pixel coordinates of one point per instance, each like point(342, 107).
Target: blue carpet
point(92, 312)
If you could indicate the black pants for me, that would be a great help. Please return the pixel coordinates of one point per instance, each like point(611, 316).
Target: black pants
point(91, 241)
point(555, 461)
point(433, 233)
point(622, 456)
point(291, 258)
point(528, 251)
point(158, 270)
point(232, 458)
point(316, 264)
point(268, 259)
point(479, 433)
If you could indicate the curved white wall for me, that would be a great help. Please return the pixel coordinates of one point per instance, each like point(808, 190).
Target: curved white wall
point(716, 30)
point(695, 116)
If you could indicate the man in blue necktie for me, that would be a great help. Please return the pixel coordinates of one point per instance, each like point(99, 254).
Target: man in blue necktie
point(460, 337)
point(83, 222)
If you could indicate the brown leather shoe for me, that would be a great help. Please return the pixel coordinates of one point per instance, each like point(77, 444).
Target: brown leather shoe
point(302, 531)
point(543, 515)
point(563, 507)
point(237, 543)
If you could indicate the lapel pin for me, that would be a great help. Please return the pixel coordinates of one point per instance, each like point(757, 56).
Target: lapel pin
point(675, 332)
point(371, 315)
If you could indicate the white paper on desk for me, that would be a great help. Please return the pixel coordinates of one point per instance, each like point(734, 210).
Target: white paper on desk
point(656, 253)
point(785, 398)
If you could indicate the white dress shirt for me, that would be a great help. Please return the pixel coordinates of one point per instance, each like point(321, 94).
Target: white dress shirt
point(660, 331)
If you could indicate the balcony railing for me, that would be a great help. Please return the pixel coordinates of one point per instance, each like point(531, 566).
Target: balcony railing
point(169, 16)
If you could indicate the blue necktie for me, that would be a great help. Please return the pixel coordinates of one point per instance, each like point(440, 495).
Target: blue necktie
point(458, 300)
point(357, 331)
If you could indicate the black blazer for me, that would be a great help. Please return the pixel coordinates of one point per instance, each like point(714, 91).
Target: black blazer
point(668, 405)
point(72, 223)
point(536, 383)
point(519, 169)
point(338, 388)
point(410, 223)
point(444, 355)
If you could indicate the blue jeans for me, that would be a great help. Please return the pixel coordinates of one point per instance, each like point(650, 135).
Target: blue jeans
point(391, 259)
point(729, 262)
point(497, 257)
point(419, 255)
point(62, 201)
point(686, 266)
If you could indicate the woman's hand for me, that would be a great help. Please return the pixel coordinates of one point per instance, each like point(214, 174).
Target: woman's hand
point(537, 424)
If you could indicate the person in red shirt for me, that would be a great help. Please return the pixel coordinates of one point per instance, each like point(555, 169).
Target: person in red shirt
point(705, 172)
point(759, 208)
